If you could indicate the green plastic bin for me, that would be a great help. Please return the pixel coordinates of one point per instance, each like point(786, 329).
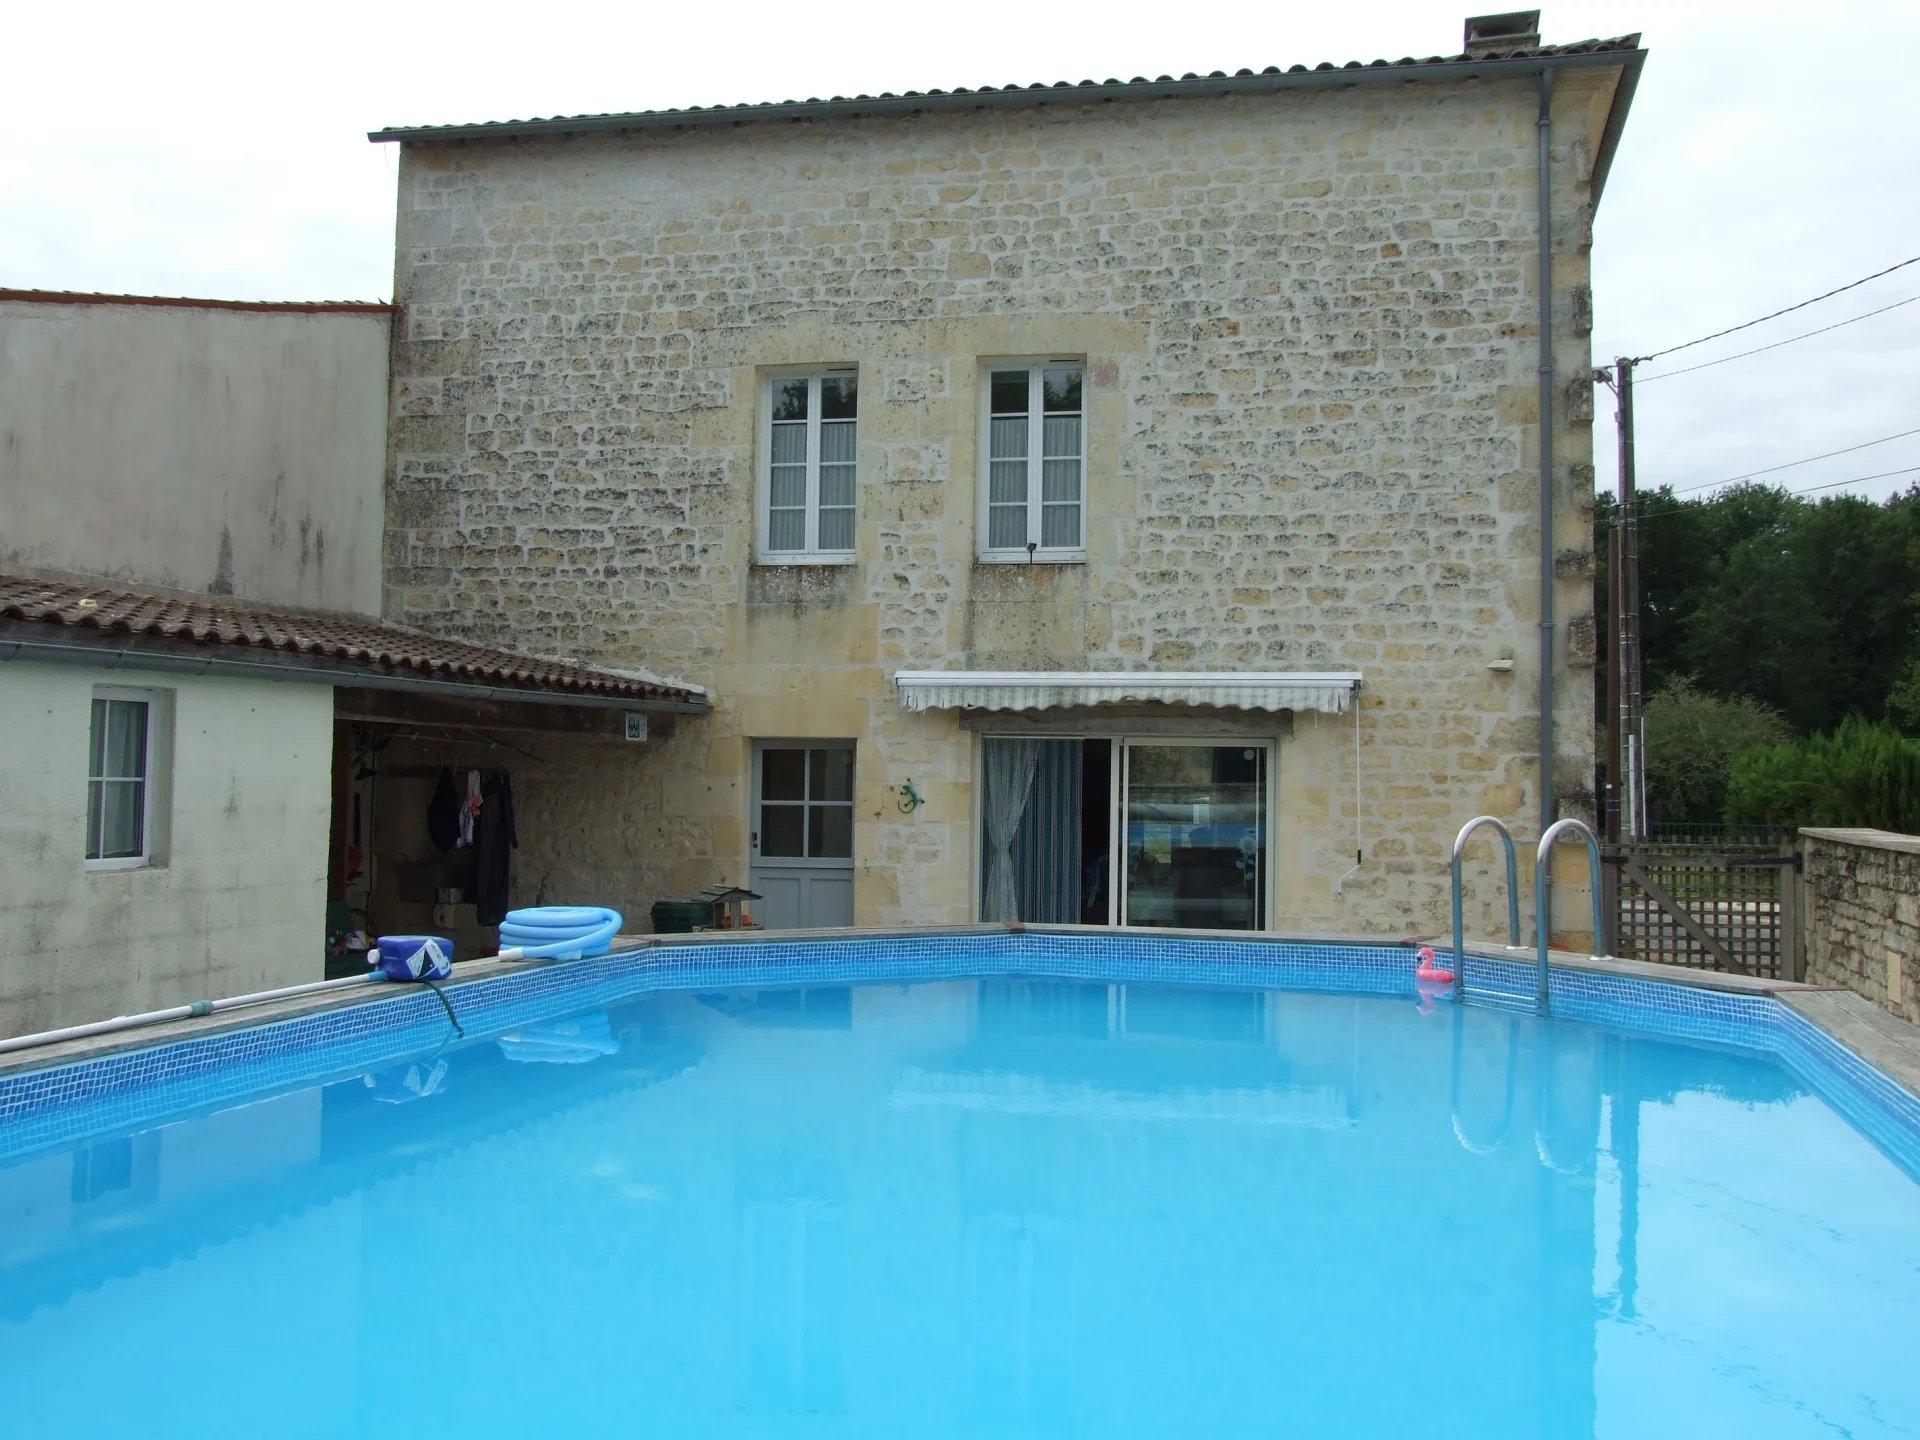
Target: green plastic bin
point(679, 917)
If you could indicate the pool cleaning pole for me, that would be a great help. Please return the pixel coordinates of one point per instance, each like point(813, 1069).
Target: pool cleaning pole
point(191, 1011)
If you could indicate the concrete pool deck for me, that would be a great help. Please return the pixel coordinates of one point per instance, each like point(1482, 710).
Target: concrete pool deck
point(1886, 1042)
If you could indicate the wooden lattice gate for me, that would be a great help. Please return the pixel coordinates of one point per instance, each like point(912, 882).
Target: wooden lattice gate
point(1726, 908)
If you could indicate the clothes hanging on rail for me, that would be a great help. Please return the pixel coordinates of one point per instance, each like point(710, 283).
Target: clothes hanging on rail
point(495, 840)
point(470, 809)
point(443, 813)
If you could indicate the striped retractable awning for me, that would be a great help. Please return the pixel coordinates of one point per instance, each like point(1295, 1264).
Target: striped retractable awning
point(1329, 692)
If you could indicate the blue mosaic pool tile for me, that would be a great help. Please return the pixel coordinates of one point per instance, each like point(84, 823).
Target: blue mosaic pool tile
point(1885, 1111)
point(124, 1091)
point(1680, 1012)
point(132, 1089)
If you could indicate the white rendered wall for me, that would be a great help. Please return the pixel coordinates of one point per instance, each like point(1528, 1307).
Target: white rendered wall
point(237, 899)
point(222, 451)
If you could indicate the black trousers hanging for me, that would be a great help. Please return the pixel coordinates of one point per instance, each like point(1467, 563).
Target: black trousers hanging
point(495, 838)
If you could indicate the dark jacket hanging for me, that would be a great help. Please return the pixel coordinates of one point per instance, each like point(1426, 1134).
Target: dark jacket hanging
point(443, 812)
point(495, 838)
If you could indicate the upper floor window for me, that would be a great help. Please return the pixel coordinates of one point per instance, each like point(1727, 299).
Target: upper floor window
point(120, 751)
point(807, 493)
point(1033, 501)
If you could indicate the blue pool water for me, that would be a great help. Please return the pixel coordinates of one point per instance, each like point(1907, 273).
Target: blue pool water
point(996, 1208)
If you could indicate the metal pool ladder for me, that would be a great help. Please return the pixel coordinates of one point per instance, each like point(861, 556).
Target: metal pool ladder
point(1543, 1002)
point(1513, 897)
point(1540, 908)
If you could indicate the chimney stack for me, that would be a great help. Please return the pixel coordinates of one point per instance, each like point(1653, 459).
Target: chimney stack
point(1491, 34)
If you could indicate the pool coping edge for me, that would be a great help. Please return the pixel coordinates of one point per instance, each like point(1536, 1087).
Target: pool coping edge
point(1861, 1059)
point(469, 972)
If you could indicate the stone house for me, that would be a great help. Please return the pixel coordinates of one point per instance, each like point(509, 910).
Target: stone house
point(1152, 501)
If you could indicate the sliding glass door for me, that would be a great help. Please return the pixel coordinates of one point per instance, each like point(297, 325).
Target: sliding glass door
point(1107, 831)
point(1042, 852)
point(1195, 821)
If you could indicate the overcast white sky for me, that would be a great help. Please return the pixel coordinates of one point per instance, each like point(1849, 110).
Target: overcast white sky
point(219, 150)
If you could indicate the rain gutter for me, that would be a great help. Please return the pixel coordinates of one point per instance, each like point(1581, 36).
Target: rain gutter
point(312, 670)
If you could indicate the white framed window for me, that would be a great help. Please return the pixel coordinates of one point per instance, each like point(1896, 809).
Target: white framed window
point(807, 471)
point(1034, 444)
point(120, 778)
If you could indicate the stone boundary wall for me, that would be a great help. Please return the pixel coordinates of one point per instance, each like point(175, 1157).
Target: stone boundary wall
point(1863, 915)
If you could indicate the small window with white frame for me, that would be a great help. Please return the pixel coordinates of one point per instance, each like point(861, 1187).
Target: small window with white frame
point(807, 489)
point(120, 779)
point(1033, 501)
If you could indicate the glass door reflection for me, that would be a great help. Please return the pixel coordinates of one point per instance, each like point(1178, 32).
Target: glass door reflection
point(1196, 835)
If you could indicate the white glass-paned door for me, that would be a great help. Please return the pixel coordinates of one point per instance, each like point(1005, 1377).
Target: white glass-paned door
point(802, 839)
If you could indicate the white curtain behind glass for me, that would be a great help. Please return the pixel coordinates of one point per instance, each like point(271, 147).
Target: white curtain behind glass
point(787, 492)
point(1009, 766)
point(811, 465)
point(1007, 484)
point(837, 443)
point(1060, 483)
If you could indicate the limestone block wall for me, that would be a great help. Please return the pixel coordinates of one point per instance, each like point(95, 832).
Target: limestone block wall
point(1309, 325)
point(1863, 915)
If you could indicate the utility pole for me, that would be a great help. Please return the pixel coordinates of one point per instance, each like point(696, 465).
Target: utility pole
point(1610, 801)
point(1628, 701)
point(1623, 805)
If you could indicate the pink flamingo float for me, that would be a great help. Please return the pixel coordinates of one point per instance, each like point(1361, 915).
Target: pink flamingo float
point(1430, 980)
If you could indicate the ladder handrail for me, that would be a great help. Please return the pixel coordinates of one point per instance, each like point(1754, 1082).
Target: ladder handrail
point(1513, 897)
point(1541, 918)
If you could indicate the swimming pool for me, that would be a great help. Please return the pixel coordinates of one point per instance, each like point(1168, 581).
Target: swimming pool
point(1014, 1185)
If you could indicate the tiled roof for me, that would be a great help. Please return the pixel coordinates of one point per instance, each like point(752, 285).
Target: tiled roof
point(1063, 91)
point(295, 307)
point(356, 643)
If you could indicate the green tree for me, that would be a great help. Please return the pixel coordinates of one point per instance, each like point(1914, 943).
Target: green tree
point(1683, 550)
point(1903, 702)
point(1760, 631)
point(1810, 607)
point(1863, 773)
point(1693, 740)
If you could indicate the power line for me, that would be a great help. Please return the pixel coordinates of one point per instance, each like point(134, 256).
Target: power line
point(1857, 480)
point(1792, 464)
point(1809, 490)
point(1708, 365)
point(1748, 325)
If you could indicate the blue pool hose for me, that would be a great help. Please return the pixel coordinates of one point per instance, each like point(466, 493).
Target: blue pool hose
point(558, 932)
